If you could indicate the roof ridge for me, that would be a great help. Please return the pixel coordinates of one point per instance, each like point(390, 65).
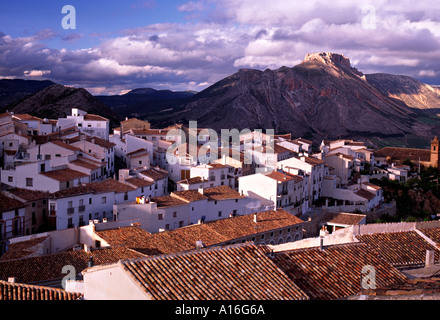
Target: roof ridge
point(188, 252)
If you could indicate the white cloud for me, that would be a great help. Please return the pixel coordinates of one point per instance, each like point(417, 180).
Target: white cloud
point(238, 34)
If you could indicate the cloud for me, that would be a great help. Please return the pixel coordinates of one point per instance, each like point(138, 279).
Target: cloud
point(236, 34)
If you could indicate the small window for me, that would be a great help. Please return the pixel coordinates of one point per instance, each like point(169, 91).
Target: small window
point(160, 216)
point(104, 200)
point(219, 213)
point(10, 179)
point(29, 182)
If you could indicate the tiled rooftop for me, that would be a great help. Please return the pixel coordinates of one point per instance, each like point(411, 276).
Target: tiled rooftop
point(155, 173)
point(22, 249)
point(221, 193)
point(231, 273)
point(336, 271)
point(344, 218)
point(9, 204)
point(210, 233)
point(406, 249)
point(284, 176)
point(403, 154)
point(138, 182)
point(64, 175)
point(193, 180)
point(29, 195)
point(365, 194)
point(104, 186)
point(168, 201)
point(16, 291)
point(46, 268)
point(131, 237)
point(189, 195)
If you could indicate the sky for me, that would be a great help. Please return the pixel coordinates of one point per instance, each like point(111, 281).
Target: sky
point(113, 46)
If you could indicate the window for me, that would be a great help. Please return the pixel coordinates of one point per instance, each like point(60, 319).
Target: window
point(29, 182)
point(125, 196)
point(175, 214)
point(70, 204)
point(219, 213)
point(104, 200)
point(180, 224)
point(160, 216)
point(97, 244)
point(90, 200)
point(167, 227)
point(10, 179)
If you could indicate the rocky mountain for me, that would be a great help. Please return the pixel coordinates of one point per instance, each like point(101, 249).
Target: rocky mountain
point(57, 101)
point(13, 90)
point(323, 97)
point(408, 90)
point(145, 102)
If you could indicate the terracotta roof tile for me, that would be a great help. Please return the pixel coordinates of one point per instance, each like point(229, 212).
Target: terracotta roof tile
point(63, 175)
point(283, 176)
point(404, 153)
point(29, 195)
point(336, 271)
point(219, 231)
point(405, 249)
point(344, 218)
point(138, 182)
point(94, 117)
point(22, 249)
point(221, 193)
point(155, 173)
point(9, 204)
point(189, 195)
point(365, 194)
point(232, 273)
point(45, 268)
point(16, 291)
point(193, 180)
point(168, 201)
point(131, 237)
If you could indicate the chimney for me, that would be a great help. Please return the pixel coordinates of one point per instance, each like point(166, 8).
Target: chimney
point(429, 261)
point(11, 279)
point(91, 263)
point(86, 248)
point(321, 243)
point(255, 218)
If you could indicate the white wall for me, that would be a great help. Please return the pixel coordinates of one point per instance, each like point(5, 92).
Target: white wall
point(111, 283)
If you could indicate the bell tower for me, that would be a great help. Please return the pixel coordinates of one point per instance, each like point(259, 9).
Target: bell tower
point(435, 144)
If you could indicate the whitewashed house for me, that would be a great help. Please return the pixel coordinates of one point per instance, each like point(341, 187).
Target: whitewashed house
point(277, 189)
point(12, 216)
point(90, 124)
point(185, 208)
point(88, 202)
point(311, 167)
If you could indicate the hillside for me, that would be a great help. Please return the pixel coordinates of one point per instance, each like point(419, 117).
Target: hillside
point(323, 97)
point(57, 101)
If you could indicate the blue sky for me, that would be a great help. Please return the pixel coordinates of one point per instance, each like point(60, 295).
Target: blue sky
point(188, 45)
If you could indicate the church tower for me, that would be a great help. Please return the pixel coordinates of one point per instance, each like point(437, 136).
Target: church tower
point(435, 144)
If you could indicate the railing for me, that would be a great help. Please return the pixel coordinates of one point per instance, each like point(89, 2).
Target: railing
point(70, 210)
point(81, 208)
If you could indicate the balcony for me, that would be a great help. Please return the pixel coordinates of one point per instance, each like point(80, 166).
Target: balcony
point(70, 210)
point(81, 208)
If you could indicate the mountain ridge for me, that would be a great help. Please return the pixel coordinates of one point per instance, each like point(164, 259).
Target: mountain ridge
point(323, 97)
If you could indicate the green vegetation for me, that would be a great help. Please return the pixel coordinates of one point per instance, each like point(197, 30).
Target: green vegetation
point(413, 196)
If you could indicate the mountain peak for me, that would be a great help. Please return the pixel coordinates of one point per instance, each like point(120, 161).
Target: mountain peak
point(329, 58)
